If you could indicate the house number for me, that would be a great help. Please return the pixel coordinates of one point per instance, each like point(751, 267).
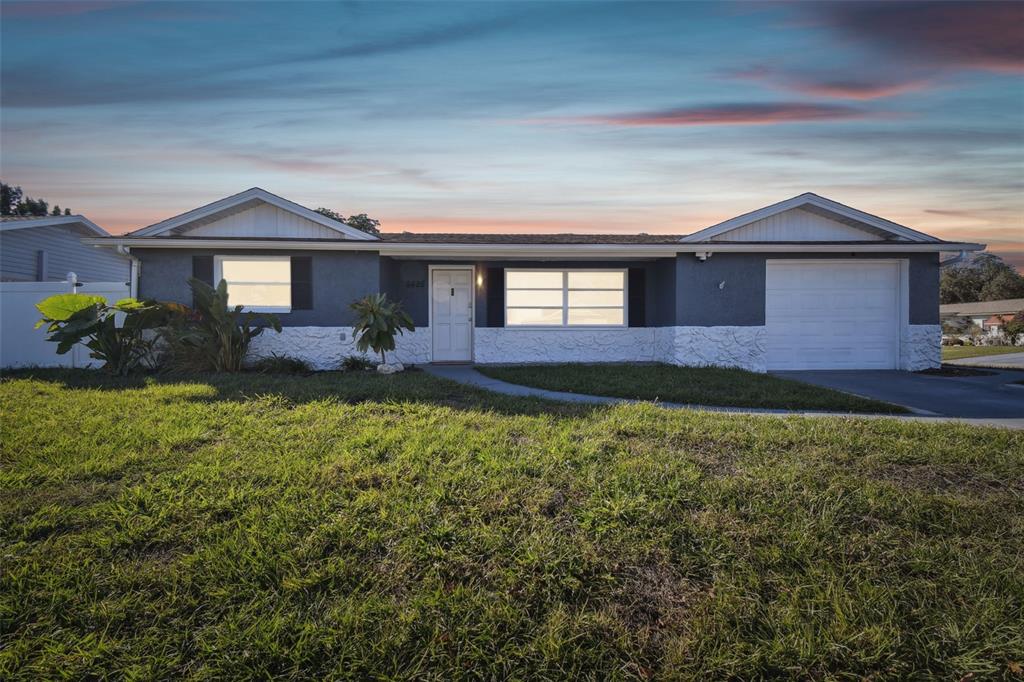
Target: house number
point(414, 284)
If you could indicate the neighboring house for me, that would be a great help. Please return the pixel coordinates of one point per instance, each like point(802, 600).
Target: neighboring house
point(806, 283)
point(47, 248)
point(989, 316)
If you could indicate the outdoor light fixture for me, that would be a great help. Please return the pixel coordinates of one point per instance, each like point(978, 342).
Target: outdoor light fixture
point(479, 280)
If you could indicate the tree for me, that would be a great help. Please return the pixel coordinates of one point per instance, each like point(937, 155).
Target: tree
point(361, 222)
point(10, 197)
point(377, 321)
point(365, 223)
point(1014, 329)
point(13, 201)
point(984, 278)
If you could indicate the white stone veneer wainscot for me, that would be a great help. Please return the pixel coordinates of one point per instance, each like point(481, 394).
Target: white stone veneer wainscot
point(742, 347)
point(495, 345)
point(921, 347)
point(325, 347)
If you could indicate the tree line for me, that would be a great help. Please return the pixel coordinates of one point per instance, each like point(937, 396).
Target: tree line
point(14, 202)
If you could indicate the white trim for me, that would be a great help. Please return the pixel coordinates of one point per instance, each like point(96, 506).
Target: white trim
point(248, 195)
point(472, 308)
point(218, 275)
point(526, 251)
point(52, 221)
point(565, 299)
point(810, 199)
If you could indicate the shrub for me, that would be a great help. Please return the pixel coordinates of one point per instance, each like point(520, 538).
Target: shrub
point(356, 363)
point(86, 319)
point(377, 321)
point(213, 336)
point(1014, 329)
point(281, 364)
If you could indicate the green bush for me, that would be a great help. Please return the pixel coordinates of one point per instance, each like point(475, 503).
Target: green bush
point(213, 336)
point(281, 364)
point(356, 363)
point(81, 318)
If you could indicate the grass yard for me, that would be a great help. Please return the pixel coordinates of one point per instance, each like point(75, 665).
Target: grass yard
point(958, 352)
point(691, 385)
point(358, 526)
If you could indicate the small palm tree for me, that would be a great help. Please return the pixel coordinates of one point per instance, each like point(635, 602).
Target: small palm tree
point(377, 321)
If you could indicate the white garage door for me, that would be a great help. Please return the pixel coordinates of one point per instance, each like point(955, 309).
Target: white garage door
point(835, 315)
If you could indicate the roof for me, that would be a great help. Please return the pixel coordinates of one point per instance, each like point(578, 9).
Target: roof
point(242, 201)
point(21, 222)
point(816, 204)
point(1005, 306)
point(562, 238)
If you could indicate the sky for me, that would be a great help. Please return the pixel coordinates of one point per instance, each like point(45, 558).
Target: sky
point(522, 117)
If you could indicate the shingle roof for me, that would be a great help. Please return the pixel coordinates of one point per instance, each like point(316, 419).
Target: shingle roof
point(562, 238)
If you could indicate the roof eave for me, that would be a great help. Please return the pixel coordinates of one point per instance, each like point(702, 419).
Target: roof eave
point(527, 250)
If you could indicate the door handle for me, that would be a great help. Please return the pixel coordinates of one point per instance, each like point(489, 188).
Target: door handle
point(453, 291)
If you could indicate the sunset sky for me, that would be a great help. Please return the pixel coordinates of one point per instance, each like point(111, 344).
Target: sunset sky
point(522, 117)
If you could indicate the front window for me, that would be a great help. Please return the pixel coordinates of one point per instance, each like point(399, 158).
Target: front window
point(565, 298)
point(259, 283)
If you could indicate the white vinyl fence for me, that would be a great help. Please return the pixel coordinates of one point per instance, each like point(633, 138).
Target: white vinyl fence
point(23, 346)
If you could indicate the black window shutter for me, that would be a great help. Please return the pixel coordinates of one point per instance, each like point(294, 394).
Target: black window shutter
point(202, 269)
point(495, 297)
point(637, 297)
point(302, 282)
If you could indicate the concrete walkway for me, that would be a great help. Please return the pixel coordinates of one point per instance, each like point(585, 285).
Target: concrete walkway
point(466, 374)
point(1006, 361)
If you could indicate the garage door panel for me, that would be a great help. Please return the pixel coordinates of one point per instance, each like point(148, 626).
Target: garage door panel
point(836, 315)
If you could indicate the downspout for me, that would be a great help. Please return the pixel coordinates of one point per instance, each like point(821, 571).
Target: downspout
point(133, 286)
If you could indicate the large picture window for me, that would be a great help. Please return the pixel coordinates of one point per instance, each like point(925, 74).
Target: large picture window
point(259, 283)
point(565, 298)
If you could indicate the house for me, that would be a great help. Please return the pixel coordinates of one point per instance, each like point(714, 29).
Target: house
point(989, 316)
point(806, 283)
point(47, 248)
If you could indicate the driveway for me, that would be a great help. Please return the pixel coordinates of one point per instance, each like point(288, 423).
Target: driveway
point(984, 397)
point(1006, 360)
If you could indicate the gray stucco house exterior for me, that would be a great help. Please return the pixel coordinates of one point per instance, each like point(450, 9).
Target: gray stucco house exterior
point(806, 283)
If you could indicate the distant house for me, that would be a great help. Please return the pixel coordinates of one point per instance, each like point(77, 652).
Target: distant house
point(806, 283)
point(989, 316)
point(47, 248)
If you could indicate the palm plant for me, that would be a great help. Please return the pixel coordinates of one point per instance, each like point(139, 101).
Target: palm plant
point(377, 322)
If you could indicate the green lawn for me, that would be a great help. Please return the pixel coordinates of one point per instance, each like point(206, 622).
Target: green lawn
point(957, 352)
point(691, 385)
point(358, 526)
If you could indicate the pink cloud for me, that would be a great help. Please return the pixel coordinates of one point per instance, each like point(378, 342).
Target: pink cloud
point(725, 114)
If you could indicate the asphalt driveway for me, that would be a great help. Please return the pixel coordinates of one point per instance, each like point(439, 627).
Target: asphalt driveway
point(984, 397)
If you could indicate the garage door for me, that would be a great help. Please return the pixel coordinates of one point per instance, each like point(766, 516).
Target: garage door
point(836, 315)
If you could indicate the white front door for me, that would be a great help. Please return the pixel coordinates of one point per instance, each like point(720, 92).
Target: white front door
point(451, 317)
point(832, 315)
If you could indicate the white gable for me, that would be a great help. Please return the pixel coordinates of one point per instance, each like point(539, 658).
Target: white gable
point(260, 221)
point(254, 213)
point(807, 218)
point(797, 225)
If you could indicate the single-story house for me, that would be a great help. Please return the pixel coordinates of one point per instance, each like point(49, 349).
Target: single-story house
point(806, 283)
point(47, 248)
point(989, 316)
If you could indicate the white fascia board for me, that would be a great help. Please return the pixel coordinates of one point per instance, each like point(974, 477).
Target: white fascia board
point(805, 199)
point(243, 197)
point(409, 249)
point(51, 221)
